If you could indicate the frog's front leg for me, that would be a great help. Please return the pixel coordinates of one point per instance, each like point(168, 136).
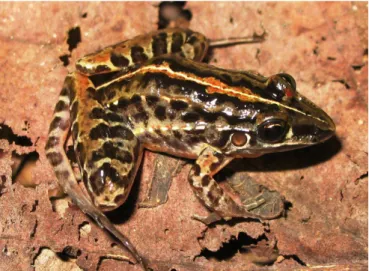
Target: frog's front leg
point(208, 190)
point(110, 159)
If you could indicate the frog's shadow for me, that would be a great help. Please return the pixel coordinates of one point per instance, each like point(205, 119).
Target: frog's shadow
point(296, 159)
point(283, 161)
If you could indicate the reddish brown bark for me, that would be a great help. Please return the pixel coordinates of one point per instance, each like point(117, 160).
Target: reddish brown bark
point(323, 45)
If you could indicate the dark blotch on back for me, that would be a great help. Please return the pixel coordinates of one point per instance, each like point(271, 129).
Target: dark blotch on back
point(119, 60)
point(171, 114)
point(190, 117)
point(135, 99)
point(151, 100)
point(207, 116)
point(177, 134)
point(141, 117)
point(178, 105)
point(159, 44)
point(160, 112)
point(123, 103)
point(138, 55)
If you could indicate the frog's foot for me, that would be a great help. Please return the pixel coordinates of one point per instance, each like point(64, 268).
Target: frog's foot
point(267, 205)
point(256, 198)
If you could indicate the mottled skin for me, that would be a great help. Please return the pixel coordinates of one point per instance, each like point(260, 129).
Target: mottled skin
point(152, 93)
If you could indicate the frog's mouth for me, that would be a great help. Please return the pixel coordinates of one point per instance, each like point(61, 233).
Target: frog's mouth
point(312, 120)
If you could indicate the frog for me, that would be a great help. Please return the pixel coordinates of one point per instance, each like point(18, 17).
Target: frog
point(154, 92)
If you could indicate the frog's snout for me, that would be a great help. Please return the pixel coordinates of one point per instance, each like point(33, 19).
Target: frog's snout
point(315, 122)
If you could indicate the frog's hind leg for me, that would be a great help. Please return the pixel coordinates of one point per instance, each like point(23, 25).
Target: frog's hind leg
point(55, 152)
point(208, 190)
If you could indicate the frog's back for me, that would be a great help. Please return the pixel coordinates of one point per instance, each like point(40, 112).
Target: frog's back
point(175, 105)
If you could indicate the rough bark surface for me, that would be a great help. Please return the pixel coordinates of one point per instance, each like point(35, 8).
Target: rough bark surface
point(323, 45)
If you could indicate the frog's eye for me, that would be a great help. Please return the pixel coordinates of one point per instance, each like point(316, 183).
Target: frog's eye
point(239, 139)
point(272, 130)
point(289, 79)
point(281, 87)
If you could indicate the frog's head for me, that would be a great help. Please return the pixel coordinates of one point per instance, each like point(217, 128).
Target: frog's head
point(289, 121)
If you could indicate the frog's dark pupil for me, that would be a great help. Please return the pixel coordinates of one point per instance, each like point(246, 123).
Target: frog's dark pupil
point(272, 131)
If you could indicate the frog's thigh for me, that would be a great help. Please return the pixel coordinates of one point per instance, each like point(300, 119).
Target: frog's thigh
point(113, 155)
point(207, 189)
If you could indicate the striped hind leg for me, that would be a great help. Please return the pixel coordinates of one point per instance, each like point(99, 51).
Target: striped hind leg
point(55, 152)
